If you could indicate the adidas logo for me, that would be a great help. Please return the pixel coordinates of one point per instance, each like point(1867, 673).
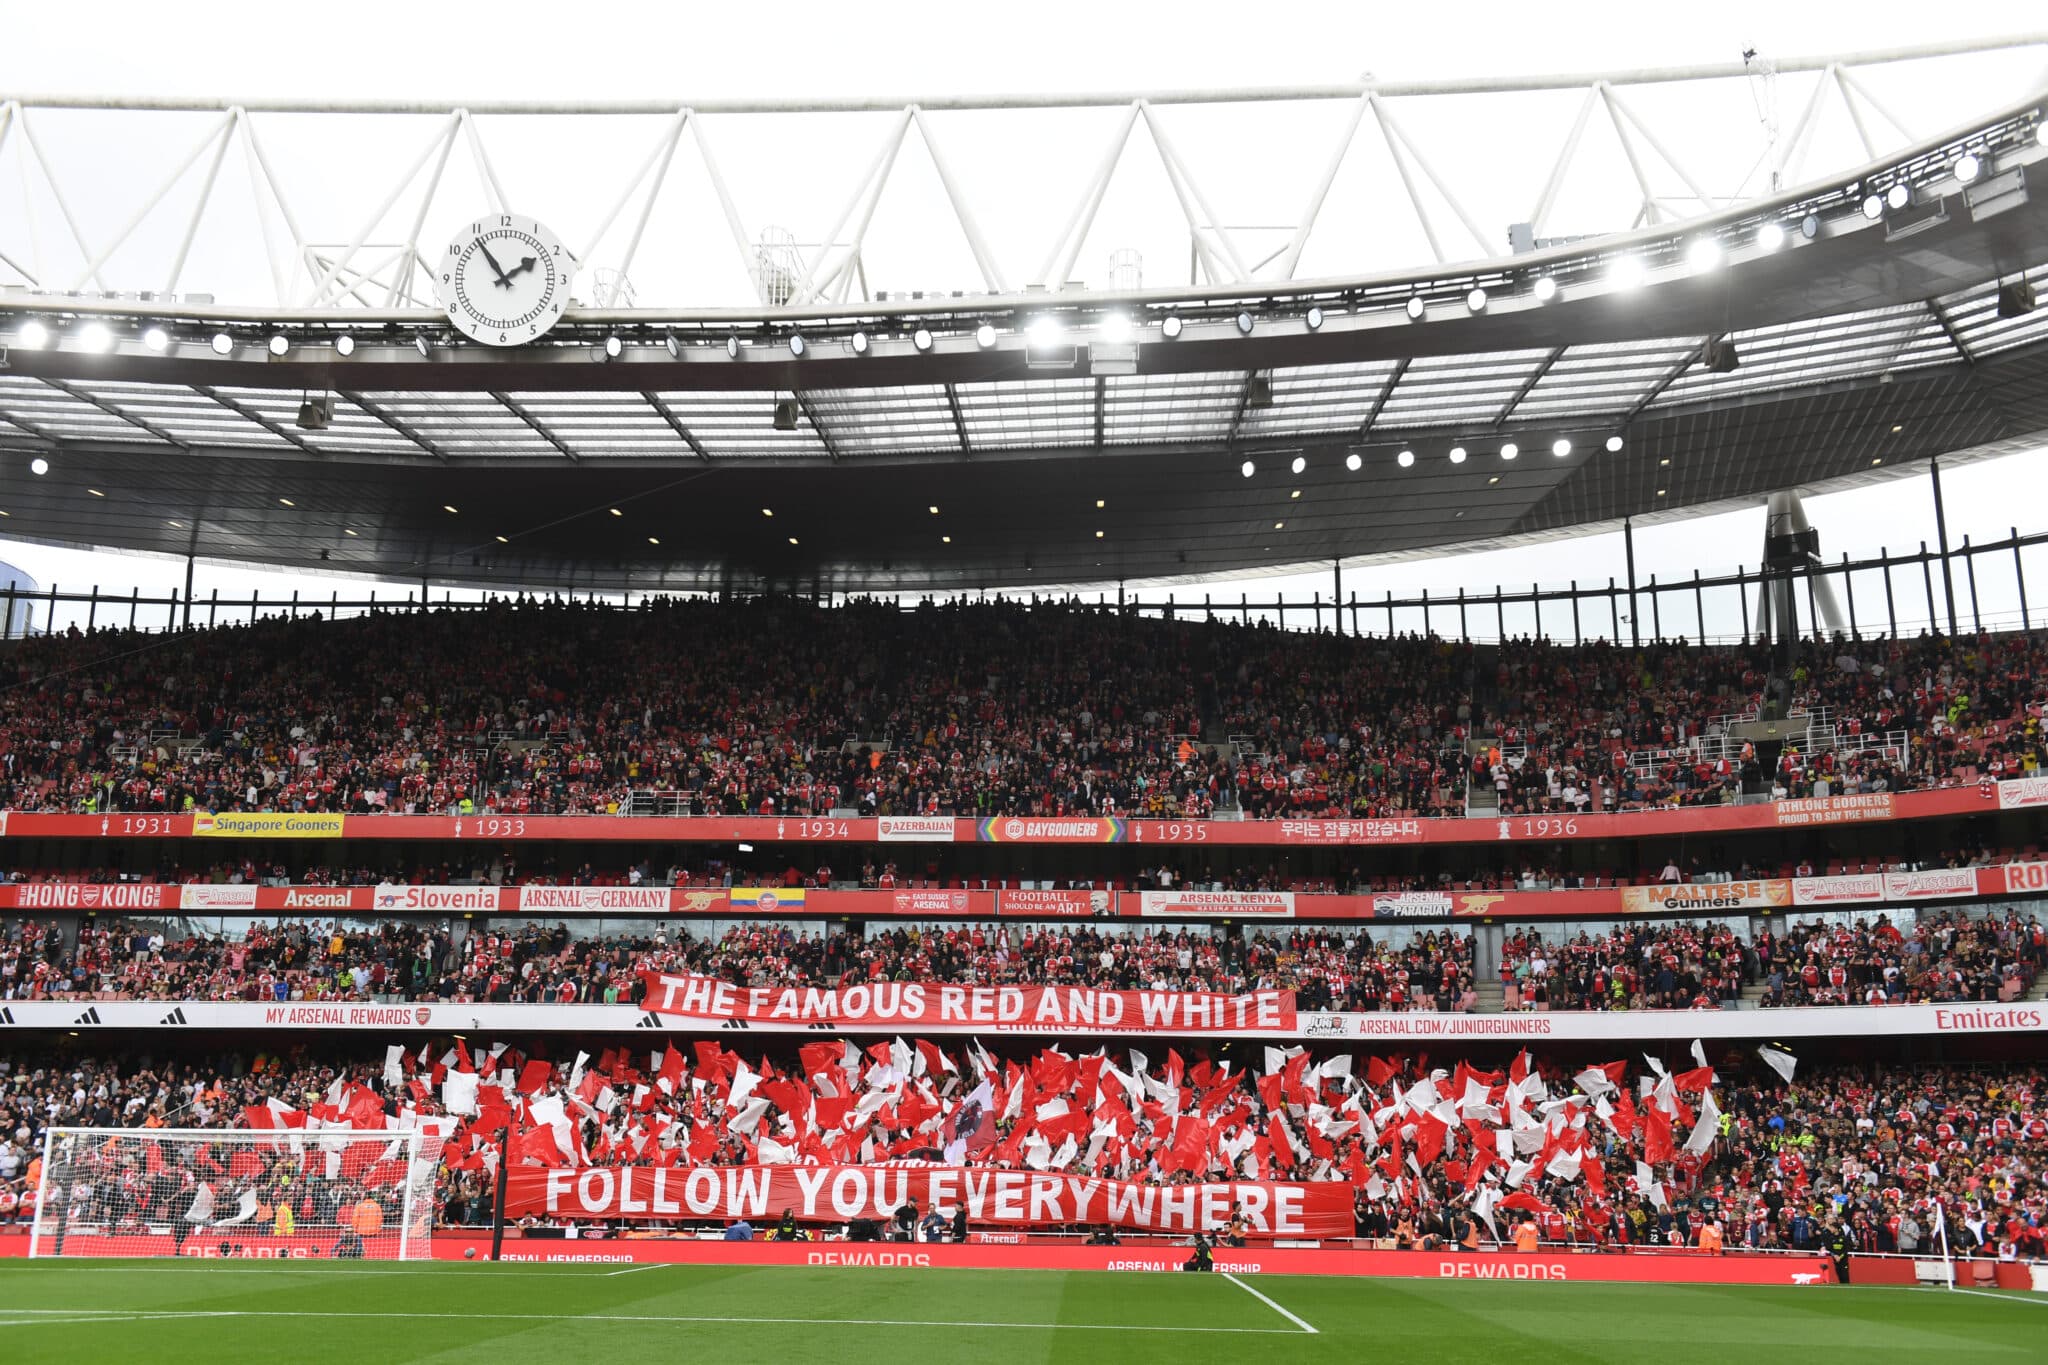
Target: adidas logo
point(6, 1015)
point(734, 1023)
point(176, 1016)
point(91, 1016)
point(649, 1019)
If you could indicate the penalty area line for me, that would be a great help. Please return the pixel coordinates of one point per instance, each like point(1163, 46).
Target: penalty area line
point(77, 1316)
point(1302, 1323)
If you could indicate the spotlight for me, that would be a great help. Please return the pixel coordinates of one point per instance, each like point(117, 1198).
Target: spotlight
point(279, 343)
point(1406, 459)
point(1300, 463)
point(316, 413)
point(1117, 327)
point(1258, 391)
point(1244, 323)
point(732, 348)
point(671, 345)
point(1613, 444)
point(1043, 332)
point(1546, 289)
point(1809, 226)
point(1560, 447)
point(858, 343)
point(796, 343)
point(1354, 461)
point(1247, 469)
point(612, 347)
point(1717, 355)
point(32, 336)
point(922, 339)
point(1873, 206)
point(1627, 273)
point(39, 466)
point(1898, 196)
point(344, 345)
point(1475, 301)
point(1703, 254)
point(157, 339)
point(984, 336)
point(2015, 300)
point(1966, 168)
point(785, 414)
point(94, 336)
point(1416, 307)
point(1509, 450)
point(1770, 237)
point(1314, 319)
point(1457, 454)
point(1171, 327)
point(222, 343)
point(422, 345)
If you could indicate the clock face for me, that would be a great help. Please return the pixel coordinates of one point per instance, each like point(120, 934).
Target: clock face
point(505, 279)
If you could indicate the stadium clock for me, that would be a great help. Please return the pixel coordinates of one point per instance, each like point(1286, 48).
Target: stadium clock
point(504, 279)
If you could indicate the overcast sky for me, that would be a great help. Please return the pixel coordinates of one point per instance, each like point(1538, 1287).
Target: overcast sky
point(1022, 173)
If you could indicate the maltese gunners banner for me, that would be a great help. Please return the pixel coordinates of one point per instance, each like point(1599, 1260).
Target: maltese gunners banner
point(836, 1194)
point(898, 1005)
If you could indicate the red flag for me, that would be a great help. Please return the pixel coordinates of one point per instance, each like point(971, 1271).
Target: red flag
point(1378, 1072)
point(1657, 1145)
point(534, 1075)
point(1522, 1199)
point(1283, 1150)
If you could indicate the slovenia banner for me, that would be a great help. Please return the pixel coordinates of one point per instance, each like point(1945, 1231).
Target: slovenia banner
point(835, 1194)
point(897, 1005)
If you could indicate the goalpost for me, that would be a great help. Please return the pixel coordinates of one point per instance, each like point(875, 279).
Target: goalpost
point(284, 1193)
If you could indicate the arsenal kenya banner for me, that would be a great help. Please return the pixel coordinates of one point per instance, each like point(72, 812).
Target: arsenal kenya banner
point(898, 1005)
point(837, 1194)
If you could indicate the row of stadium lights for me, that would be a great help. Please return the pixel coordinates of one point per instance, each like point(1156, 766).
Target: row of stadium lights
point(1457, 454)
point(1627, 272)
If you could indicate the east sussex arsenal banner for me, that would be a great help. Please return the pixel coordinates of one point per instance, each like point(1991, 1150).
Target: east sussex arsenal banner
point(897, 1005)
point(835, 1194)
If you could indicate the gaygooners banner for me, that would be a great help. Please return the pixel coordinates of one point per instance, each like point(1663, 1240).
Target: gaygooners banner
point(835, 1194)
point(896, 1005)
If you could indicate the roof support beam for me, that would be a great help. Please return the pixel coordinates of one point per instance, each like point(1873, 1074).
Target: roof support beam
point(1664, 381)
point(811, 415)
point(1101, 409)
point(960, 421)
point(395, 422)
point(655, 401)
point(243, 410)
point(1535, 378)
point(1380, 400)
point(1244, 398)
point(1948, 328)
point(84, 396)
point(512, 406)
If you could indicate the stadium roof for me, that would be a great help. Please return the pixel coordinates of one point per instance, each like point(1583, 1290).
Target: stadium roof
point(1862, 340)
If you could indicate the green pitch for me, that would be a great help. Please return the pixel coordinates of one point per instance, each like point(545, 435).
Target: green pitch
point(213, 1311)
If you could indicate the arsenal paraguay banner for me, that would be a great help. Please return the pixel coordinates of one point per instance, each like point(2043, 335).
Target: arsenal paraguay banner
point(897, 1005)
point(836, 1194)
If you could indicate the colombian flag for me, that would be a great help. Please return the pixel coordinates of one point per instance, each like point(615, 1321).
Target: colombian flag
point(767, 899)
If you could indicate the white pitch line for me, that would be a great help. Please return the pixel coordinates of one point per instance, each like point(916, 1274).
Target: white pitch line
point(74, 1316)
point(1298, 1322)
point(2010, 1296)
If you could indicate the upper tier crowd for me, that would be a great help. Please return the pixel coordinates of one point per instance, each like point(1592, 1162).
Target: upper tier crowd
point(1886, 1154)
point(1946, 956)
point(783, 708)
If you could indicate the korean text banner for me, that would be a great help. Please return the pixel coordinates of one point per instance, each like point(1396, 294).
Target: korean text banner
point(836, 1194)
point(894, 1005)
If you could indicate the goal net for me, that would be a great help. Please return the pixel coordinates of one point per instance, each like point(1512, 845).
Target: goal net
point(283, 1193)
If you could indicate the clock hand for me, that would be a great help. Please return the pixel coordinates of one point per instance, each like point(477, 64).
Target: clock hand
point(526, 263)
point(496, 269)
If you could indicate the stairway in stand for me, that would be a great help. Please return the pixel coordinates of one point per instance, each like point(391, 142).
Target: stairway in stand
point(1490, 999)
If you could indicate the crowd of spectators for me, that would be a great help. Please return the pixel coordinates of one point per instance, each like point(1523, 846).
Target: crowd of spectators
point(984, 709)
point(1884, 1152)
point(416, 960)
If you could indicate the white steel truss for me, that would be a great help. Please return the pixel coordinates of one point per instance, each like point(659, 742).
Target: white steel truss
point(1424, 167)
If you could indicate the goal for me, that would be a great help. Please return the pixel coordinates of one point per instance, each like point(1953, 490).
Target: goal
point(262, 1193)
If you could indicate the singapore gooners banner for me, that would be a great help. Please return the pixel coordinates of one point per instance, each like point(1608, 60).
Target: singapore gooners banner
point(897, 1005)
point(835, 1194)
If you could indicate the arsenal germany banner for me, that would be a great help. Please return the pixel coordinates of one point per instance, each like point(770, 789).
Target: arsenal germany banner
point(898, 1005)
point(836, 1194)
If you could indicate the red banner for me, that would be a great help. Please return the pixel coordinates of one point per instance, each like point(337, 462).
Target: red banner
point(897, 1005)
point(1688, 820)
point(836, 1194)
point(1057, 904)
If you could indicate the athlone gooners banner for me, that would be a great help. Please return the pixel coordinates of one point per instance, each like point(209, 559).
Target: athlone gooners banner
point(835, 1194)
point(897, 1005)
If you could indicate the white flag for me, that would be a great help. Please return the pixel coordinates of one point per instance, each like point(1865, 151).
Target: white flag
point(1778, 1061)
point(458, 1092)
point(1699, 1054)
point(394, 1066)
point(1707, 1129)
point(202, 1204)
